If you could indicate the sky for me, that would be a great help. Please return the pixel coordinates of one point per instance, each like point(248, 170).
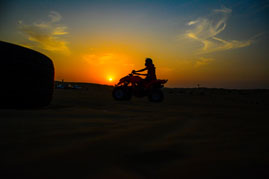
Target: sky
point(217, 44)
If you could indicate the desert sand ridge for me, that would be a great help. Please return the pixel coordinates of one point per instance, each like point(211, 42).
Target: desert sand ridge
point(84, 133)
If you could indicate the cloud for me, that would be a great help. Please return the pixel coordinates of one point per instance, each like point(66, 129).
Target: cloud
point(192, 22)
point(202, 61)
point(46, 35)
point(107, 59)
point(206, 29)
point(55, 16)
point(98, 60)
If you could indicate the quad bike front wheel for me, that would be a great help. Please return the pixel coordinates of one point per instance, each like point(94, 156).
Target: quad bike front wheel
point(156, 95)
point(121, 93)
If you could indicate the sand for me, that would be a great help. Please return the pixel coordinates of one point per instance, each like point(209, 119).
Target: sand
point(194, 133)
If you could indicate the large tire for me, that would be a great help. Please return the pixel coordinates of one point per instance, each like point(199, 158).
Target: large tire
point(156, 95)
point(128, 93)
point(27, 77)
point(121, 93)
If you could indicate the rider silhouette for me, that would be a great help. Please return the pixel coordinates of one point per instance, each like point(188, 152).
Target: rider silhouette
point(151, 75)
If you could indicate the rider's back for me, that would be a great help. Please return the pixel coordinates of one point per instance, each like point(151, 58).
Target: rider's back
point(151, 72)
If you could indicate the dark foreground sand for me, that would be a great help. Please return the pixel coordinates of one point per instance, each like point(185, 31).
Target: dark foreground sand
point(86, 134)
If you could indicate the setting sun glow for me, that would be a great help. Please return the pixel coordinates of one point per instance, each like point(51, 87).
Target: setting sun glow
point(212, 43)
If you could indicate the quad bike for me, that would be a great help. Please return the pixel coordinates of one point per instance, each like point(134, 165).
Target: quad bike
point(134, 85)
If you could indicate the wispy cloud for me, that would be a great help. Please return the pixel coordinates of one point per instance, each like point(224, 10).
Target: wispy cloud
point(46, 34)
point(107, 59)
point(202, 61)
point(98, 60)
point(206, 29)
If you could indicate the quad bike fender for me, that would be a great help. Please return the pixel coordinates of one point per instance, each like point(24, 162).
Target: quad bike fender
point(156, 83)
point(129, 79)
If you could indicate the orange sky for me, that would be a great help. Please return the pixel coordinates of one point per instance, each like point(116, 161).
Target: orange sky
point(207, 43)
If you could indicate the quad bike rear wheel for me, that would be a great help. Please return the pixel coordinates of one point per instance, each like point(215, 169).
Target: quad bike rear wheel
point(156, 95)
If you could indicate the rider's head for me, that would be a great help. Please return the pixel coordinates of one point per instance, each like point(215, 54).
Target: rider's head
point(148, 61)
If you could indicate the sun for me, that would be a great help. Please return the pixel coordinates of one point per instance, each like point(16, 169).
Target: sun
point(110, 79)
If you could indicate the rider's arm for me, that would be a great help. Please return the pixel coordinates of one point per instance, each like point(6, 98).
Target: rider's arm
point(141, 74)
point(141, 70)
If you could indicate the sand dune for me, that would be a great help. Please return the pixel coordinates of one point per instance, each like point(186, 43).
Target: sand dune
point(84, 133)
